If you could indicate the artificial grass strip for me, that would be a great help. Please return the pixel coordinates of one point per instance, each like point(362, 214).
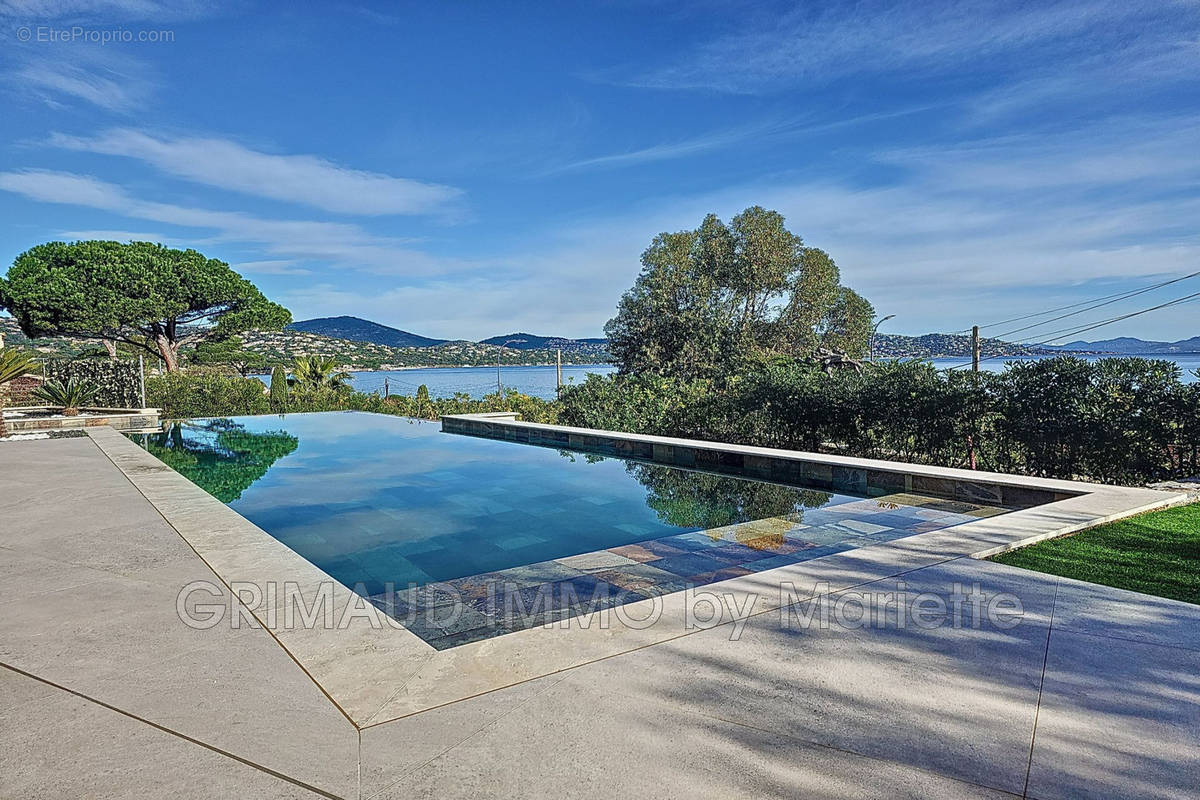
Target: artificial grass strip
point(1156, 553)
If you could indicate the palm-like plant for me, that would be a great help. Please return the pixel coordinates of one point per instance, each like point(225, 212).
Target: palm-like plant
point(12, 366)
point(70, 394)
point(318, 372)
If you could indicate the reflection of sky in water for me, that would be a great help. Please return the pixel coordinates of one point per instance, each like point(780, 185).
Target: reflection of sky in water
point(379, 498)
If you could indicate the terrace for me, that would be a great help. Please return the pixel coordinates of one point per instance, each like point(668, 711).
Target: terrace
point(764, 678)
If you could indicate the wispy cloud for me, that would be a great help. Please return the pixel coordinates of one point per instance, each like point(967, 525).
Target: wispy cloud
point(716, 140)
point(305, 179)
point(276, 267)
point(818, 43)
point(48, 10)
point(110, 235)
point(340, 245)
point(101, 78)
point(1158, 150)
point(77, 72)
point(763, 132)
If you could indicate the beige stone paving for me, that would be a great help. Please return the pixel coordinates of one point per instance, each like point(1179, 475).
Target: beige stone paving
point(104, 693)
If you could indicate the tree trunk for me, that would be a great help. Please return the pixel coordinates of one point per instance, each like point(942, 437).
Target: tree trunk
point(111, 347)
point(166, 349)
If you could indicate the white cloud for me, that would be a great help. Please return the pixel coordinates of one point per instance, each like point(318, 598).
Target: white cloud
point(817, 43)
point(115, 236)
point(340, 245)
point(79, 71)
point(302, 179)
point(967, 234)
point(47, 10)
point(271, 267)
point(715, 140)
point(103, 78)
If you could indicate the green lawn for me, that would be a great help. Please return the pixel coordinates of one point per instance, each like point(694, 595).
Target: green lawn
point(1156, 553)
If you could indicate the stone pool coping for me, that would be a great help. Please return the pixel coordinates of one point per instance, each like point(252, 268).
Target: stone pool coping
point(375, 671)
point(119, 418)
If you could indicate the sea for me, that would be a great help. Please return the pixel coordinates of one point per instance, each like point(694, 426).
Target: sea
point(539, 381)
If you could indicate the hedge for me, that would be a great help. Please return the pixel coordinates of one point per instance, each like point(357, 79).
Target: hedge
point(119, 380)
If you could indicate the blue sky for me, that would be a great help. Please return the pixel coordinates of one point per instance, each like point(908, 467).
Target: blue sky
point(470, 169)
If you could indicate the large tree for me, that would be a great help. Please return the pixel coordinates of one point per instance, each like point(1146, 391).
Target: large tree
point(711, 297)
point(152, 297)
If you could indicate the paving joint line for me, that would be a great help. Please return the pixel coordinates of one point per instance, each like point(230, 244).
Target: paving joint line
point(191, 739)
point(462, 741)
point(1041, 687)
point(225, 583)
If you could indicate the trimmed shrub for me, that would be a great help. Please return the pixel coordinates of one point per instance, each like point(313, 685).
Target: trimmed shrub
point(1119, 420)
point(181, 395)
point(118, 382)
point(279, 389)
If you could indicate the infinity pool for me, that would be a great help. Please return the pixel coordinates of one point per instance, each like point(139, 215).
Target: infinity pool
point(421, 521)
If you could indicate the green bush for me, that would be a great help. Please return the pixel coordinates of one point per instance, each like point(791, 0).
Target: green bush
point(118, 382)
point(279, 389)
point(181, 395)
point(1126, 420)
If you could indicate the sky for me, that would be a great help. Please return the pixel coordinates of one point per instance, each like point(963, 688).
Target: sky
point(463, 170)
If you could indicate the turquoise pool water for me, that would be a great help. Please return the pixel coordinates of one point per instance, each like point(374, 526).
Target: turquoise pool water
point(406, 514)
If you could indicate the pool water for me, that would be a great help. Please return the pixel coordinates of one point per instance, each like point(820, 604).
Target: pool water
point(463, 538)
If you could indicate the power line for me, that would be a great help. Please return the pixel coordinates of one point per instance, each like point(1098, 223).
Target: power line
point(1065, 332)
point(1112, 297)
point(1094, 304)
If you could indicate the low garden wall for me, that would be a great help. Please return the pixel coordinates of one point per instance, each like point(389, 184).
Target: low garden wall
point(33, 419)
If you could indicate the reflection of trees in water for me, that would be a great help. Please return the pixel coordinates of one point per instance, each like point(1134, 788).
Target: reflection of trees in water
point(703, 500)
point(220, 456)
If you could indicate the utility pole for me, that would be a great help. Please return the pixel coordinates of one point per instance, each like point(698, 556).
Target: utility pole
point(975, 348)
point(975, 381)
point(499, 351)
point(558, 364)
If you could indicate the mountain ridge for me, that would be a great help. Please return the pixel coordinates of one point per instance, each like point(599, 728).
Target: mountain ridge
point(1129, 345)
point(357, 329)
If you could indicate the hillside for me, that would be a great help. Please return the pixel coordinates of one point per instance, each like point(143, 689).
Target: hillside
point(283, 347)
point(587, 349)
point(524, 348)
point(51, 348)
point(363, 330)
point(1126, 345)
point(529, 341)
point(947, 345)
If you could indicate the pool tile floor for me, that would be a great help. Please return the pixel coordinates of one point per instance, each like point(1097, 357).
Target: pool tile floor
point(477, 607)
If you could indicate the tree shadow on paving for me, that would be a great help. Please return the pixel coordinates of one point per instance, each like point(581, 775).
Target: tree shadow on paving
point(957, 702)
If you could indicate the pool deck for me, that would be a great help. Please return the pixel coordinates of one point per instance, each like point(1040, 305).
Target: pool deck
point(105, 692)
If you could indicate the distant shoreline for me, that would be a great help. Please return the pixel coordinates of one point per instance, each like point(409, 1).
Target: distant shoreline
point(478, 366)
